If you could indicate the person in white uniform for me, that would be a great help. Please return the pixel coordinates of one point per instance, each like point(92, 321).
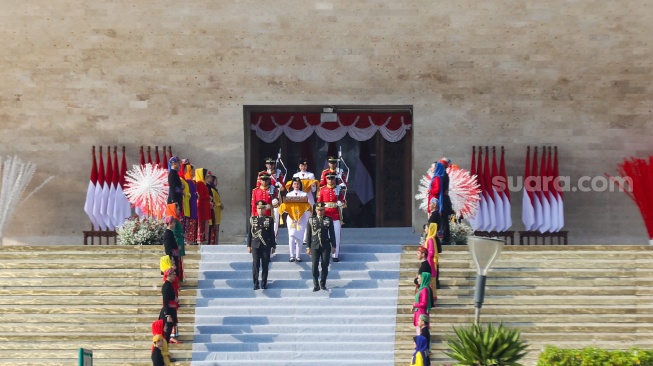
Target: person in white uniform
point(297, 228)
point(304, 175)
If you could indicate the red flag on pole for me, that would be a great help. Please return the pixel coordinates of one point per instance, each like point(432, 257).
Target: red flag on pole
point(477, 220)
point(472, 170)
point(90, 191)
point(546, 206)
point(126, 206)
point(115, 181)
point(164, 163)
point(111, 192)
point(140, 151)
point(537, 194)
point(97, 202)
point(528, 202)
point(485, 222)
point(106, 189)
point(495, 192)
point(505, 193)
point(558, 189)
point(487, 191)
point(157, 160)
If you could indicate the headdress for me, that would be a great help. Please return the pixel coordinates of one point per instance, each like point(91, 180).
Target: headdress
point(168, 272)
point(171, 211)
point(421, 346)
point(424, 318)
point(261, 204)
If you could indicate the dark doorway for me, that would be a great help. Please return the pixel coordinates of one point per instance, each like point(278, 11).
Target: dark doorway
point(380, 172)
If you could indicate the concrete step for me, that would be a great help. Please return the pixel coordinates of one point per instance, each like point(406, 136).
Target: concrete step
point(290, 324)
point(58, 299)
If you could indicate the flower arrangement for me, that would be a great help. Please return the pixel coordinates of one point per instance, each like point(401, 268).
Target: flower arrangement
point(460, 231)
point(144, 231)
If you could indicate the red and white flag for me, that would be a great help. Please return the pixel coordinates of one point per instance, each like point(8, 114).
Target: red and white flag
point(553, 198)
point(164, 162)
point(116, 209)
point(496, 194)
point(558, 191)
point(90, 192)
point(528, 201)
point(487, 192)
point(99, 186)
point(125, 206)
point(477, 220)
point(111, 198)
point(546, 205)
point(537, 194)
point(481, 181)
point(157, 160)
point(137, 209)
point(505, 194)
point(142, 161)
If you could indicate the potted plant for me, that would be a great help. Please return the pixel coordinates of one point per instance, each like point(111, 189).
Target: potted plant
point(486, 346)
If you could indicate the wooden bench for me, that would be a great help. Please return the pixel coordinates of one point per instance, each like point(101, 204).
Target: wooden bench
point(508, 236)
point(108, 234)
point(526, 236)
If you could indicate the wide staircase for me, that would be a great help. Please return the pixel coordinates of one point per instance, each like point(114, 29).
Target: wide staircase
point(567, 296)
point(57, 299)
point(352, 323)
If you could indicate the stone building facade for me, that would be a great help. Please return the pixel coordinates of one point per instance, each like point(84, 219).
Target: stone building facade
point(574, 74)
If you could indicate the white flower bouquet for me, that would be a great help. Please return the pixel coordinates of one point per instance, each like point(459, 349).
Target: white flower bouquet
point(460, 231)
point(144, 231)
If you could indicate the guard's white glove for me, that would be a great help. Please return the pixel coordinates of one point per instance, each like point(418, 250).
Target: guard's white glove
point(339, 203)
point(275, 202)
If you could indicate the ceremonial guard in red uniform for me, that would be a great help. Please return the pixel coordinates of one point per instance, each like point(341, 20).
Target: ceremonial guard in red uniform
point(333, 169)
point(262, 193)
point(334, 202)
point(271, 170)
point(276, 179)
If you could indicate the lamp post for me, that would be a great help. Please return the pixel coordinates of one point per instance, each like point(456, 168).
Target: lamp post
point(484, 252)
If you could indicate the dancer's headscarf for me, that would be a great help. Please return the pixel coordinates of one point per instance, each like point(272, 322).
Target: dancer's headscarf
point(421, 346)
point(426, 283)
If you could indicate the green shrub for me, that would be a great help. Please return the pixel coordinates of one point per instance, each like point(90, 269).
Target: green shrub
point(486, 346)
point(553, 356)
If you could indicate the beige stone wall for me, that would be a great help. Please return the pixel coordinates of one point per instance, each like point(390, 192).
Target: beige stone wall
point(576, 74)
